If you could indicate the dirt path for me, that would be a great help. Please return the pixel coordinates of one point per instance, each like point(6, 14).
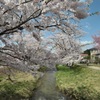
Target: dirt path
point(96, 67)
point(93, 67)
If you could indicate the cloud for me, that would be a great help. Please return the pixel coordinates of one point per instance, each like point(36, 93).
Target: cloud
point(87, 45)
point(82, 0)
point(88, 1)
point(86, 42)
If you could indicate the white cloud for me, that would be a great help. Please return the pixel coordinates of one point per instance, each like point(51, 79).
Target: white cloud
point(82, 0)
point(87, 45)
point(86, 42)
point(88, 1)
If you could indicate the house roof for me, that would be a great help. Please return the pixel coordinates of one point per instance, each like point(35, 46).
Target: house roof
point(93, 49)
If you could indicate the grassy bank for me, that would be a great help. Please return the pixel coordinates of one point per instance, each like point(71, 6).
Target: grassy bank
point(79, 83)
point(22, 86)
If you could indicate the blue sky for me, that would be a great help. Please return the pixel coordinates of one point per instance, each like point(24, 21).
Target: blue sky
point(91, 24)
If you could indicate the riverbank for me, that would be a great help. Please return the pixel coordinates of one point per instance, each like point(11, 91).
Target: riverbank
point(20, 88)
point(79, 83)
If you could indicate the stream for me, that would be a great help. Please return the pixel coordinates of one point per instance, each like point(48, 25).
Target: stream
point(47, 90)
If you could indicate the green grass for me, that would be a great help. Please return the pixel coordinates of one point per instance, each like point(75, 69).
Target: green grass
point(22, 87)
point(79, 83)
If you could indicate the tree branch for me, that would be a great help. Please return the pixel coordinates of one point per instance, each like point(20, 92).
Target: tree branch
point(7, 31)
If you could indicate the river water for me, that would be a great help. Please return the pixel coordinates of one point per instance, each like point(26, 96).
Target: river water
point(47, 89)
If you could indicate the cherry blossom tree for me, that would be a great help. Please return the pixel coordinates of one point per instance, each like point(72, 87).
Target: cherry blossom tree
point(97, 41)
point(66, 47)
point(36, 15)
point(24, 23)
point(25, 53)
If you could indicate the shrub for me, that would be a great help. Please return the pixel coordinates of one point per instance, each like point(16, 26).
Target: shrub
point(42, 69)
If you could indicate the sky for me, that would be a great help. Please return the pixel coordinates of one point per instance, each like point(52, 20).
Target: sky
point(91, 25)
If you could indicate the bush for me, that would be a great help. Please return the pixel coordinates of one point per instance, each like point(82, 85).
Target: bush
point(61, 67)
point(42, 69)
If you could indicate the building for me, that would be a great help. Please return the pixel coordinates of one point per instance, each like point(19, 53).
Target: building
point(95, 55)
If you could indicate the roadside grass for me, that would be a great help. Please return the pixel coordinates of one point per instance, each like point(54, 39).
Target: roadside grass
point(21, 88)
point(79, 83)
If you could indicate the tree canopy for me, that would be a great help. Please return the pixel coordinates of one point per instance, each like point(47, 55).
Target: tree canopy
point(97, 41)
point(24, 23)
